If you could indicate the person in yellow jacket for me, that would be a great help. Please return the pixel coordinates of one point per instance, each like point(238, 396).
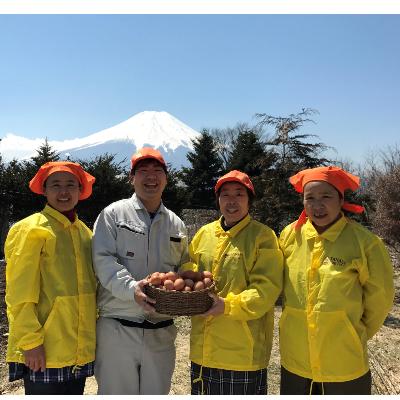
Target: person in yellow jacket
point(230, 344)
point(338, 289)
point(51, 287)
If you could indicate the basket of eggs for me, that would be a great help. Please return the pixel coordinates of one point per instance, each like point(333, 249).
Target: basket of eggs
point(184, 293)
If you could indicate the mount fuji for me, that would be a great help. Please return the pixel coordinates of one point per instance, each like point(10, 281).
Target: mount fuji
point(148, 128)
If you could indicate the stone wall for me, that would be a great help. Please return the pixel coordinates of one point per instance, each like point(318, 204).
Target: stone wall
point(194, 219)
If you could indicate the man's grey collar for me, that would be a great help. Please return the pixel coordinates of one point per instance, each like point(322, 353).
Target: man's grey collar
point(140, 206)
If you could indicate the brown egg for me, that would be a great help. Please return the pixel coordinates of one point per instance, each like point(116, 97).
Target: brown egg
point(179, 284)
point(171, 275)
point(207, 274)
point(193, 275)
point(168, 284)
point(187, 274)
point(197, 276)
point(187, 289)
point(189, 282)
point(207, 282)
point(155, 280)
point(162, 277)
point(198, 286)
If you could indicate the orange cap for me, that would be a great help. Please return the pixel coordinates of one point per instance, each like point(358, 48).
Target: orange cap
point(145, 153)
point(235, 176)
point(85, 179)
point(335, 176)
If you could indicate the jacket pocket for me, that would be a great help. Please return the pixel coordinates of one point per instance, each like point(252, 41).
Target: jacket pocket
point(131, 243)
point(230, 342)
point(339, 346)
point(60, 332)
point(177, 242)
point(293, 340)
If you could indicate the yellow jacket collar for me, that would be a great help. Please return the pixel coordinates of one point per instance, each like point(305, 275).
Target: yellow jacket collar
point(330, 234)
point(235, 229)
point(58, 216)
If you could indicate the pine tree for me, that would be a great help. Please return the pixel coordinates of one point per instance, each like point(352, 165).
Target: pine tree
point(45, 153)
point(279, 204)
point(174, 195)
point(111, 184)
point(206, 168)
point(16, 200)
point(247, 151)
point(26, 202)
point(294, 153)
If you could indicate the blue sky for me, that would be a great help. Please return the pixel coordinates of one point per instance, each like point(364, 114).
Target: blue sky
point(67, 76)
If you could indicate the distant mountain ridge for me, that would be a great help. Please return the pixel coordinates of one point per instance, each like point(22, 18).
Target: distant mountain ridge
point(157, 129)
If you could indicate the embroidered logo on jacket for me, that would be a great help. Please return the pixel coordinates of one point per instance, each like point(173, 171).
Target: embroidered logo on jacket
point(335, 261)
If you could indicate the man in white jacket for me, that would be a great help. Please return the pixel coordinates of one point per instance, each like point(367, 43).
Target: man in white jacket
point(132, 238)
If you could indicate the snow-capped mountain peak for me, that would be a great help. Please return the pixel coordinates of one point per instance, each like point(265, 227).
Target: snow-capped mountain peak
point(156, 129)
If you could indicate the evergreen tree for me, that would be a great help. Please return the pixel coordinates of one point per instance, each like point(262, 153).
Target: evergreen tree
point(279, 203)
point(16, 200)
point(45, 153)
point(174, 195)
point(247, 151)
point(206, 168)
point(294, 153)
point(112, 184)
point(26, 202)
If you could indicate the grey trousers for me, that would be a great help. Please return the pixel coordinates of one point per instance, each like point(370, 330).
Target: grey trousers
point(133, 360)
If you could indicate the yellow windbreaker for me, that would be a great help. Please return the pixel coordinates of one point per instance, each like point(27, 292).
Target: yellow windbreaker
point(338, 289)
point(51, 289)
point(247, 266)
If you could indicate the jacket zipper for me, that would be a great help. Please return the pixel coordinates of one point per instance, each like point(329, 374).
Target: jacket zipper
point(148, 245)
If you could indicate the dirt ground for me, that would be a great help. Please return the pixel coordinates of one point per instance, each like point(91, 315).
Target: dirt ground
point(384, 352)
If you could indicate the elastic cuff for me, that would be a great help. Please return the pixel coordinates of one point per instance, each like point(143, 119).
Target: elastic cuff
point(133, 285)
point(31, 346)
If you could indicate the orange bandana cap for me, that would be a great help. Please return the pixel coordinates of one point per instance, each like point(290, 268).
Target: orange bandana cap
point(335, 176)
point(86, 180)
point(235, 176)
point(146, 153)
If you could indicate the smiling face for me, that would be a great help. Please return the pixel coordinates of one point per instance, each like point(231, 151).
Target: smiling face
point(234, 202)
point(149, 181)
point(322, 203)
point(62, 191)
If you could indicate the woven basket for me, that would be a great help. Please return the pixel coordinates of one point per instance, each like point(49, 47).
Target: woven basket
point(175, 303)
